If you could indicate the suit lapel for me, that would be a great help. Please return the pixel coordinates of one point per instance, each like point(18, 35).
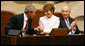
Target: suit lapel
point(30, 20)
point(29, 24)
point(70, 20)
point(63, 22)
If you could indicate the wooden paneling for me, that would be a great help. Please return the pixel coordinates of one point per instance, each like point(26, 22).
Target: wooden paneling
point(5, 16)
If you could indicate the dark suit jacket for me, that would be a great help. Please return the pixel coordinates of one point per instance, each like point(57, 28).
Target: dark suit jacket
point(63, 24)
point(16, 23)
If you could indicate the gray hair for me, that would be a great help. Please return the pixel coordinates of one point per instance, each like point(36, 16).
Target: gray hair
point(67, 7)
point(29, 8)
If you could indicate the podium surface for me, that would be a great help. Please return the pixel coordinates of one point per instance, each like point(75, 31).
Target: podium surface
point(43, 40)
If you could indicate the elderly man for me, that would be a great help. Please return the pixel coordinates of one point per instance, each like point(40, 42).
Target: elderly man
point(22, 21)
point(67, 22)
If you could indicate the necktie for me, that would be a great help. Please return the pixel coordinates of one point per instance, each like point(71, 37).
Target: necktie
point(26, 27)
point(68, 25)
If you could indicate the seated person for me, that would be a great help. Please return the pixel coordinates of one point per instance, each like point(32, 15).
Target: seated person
point(67, 22)
point(49, 21)
point(22, 21)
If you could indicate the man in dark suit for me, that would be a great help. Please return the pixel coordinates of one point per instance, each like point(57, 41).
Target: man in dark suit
point(18, 22)
point(67, 22)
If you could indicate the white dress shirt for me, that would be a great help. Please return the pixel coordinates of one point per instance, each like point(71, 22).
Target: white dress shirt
point(49, 23)
point(24, 22)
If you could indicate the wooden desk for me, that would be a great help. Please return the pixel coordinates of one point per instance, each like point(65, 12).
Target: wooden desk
point(43, 40)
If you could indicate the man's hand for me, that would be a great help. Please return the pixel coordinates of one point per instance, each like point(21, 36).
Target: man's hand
point(39, 29)
point(73, 24)
point(43, 33)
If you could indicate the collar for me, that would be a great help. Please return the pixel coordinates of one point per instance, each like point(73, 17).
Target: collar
point(67, 19)
point(49, 18)
point(25, 17)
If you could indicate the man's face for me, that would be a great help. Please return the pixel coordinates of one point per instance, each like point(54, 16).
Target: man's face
point(48, 13)
point(31, 14)
point(66, 12)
